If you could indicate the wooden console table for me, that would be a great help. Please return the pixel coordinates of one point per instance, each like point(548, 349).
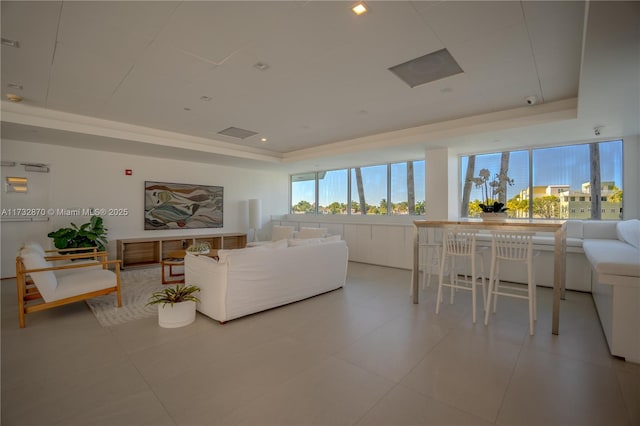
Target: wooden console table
point(558, 228)
point(150, 251)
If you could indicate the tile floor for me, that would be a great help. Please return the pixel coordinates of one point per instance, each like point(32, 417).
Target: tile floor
point(361, 355)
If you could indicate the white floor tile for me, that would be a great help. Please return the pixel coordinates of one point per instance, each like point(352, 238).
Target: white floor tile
point(364, 354)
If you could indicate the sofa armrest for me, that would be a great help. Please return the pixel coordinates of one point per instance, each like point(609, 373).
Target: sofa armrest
point(211, 277)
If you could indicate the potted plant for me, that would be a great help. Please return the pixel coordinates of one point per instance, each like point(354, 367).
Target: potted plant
point(176, 306)
point(491, 191)
point(91, 234)
point(199, 248)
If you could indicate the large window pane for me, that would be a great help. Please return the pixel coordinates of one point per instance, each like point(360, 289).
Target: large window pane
point(332, 192)
point(562, 179)
point(303, 193)
point(561, 182)
point(407, 181)
point(498, 177)
point(369, 189)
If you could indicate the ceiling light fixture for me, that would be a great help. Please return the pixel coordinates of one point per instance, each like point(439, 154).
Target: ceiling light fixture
point(360, 8)
point(10, 43)
point(263, 139)
point(16, 184)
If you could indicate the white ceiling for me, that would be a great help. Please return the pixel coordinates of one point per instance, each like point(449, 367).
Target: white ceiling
point(120, 76)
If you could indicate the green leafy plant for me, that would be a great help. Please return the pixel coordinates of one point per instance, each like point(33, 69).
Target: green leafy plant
point(170, 295)
point(199, 248)
point(90, 234)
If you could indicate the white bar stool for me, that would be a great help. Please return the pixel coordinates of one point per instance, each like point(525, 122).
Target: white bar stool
point(430, 254)
point(513, 246)
point(461, 244)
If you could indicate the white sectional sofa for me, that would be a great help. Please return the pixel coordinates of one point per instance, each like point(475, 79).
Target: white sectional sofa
point(245, 281)
point(613, 252)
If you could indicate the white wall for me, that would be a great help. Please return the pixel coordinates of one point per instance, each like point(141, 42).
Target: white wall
point(85, 178)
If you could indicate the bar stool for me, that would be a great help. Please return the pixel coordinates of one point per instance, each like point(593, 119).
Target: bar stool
point(429, 255)
point(512, 246)
point(461, 244)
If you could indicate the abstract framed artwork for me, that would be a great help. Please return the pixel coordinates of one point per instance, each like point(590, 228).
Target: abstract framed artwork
point(182, 206)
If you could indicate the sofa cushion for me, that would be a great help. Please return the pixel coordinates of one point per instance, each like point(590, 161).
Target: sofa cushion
point(613, 257)
point(599, 229)
point(45, 281)
point(303, 241)
point(311, 233)
point(629, 232)
point(575, 229)
point(281, 232)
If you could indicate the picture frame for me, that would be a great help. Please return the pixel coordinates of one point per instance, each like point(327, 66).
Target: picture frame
point(182, 206)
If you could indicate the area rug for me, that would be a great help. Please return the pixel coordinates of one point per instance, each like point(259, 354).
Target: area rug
point(136, 287)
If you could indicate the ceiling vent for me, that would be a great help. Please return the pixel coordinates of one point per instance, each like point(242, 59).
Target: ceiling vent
point(236, 132)
point(427, 68)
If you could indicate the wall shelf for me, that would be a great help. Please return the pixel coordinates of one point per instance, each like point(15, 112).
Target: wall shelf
point(151, 251)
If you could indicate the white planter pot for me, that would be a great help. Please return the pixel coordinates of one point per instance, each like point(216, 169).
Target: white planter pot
point(176, 315)
point(494, 217)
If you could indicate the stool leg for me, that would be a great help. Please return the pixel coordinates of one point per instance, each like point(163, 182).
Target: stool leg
point(440, 282)
point(490, 290)
point(473, 287)
point(531, 298)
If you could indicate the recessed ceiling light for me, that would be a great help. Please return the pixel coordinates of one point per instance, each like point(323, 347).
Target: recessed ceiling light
point(10, 43)
point(263, 139)
point(186, 109)
point(205, 98)
point(359, 8)
point(261, 66)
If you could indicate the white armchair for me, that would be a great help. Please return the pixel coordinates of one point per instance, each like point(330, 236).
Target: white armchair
point(41, 285)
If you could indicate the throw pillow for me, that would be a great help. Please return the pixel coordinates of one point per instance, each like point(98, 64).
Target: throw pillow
point(311, 233)
point(281, 232)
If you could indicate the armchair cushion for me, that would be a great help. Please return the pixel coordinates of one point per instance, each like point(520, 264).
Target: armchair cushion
point(46, 281)
point(32, 245)
point(85, 280)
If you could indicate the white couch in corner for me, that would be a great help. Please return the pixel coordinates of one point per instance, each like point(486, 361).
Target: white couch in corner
point(245, 281)
point(613, 251)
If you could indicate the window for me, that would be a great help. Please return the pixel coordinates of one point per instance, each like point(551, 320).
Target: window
point(303, 193)
point(559, 176)
point(407, 188)
point(514, 193)
point(369, 190)
point(332, 192)
point(383, 189)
